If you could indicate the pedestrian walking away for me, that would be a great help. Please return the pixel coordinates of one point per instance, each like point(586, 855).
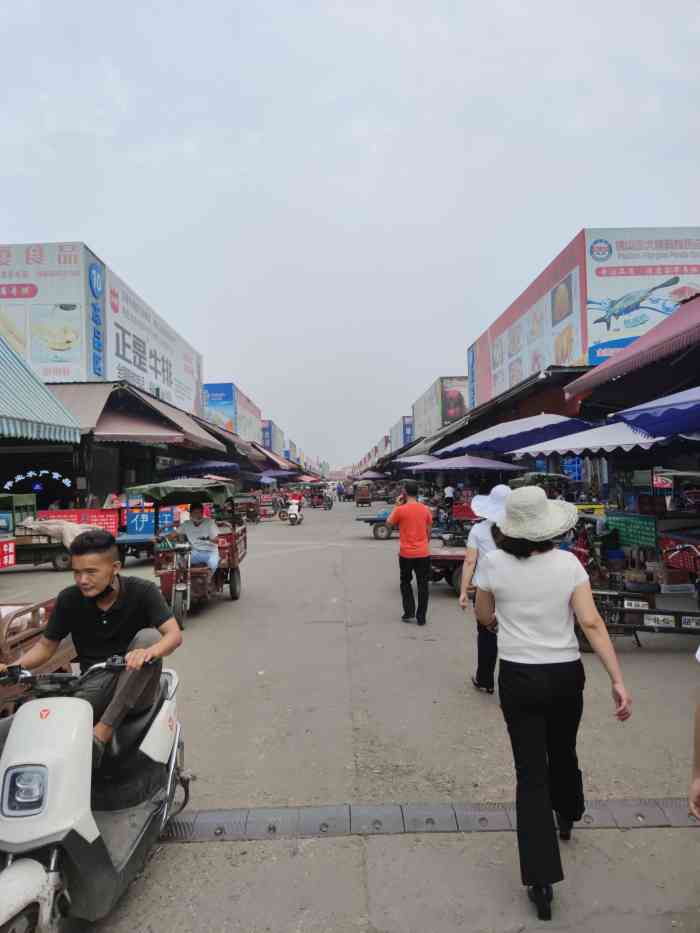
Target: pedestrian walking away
point(534, 592)
point(414, 521)
point(480, 543)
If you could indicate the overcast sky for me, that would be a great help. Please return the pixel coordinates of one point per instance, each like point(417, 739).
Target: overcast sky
point(331, 200)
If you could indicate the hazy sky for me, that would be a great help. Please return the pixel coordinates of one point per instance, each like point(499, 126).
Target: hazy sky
point(331, 200)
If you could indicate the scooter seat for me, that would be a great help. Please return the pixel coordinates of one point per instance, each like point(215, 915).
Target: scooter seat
point(134, 728)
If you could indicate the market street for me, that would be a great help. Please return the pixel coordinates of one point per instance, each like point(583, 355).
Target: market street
point(310, 691)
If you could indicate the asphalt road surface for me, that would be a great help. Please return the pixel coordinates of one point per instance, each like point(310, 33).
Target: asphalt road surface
point(311, 691)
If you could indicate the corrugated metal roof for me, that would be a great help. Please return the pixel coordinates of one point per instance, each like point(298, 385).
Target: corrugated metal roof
point(28, 409)
point(195, 434)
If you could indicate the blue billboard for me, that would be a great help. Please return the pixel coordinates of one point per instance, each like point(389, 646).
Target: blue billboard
point(220, 404)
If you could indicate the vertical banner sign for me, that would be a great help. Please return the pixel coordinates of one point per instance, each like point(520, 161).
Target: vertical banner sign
point(220, 405)
point(95, 318)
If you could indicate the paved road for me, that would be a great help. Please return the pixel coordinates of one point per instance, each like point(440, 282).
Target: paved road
point(311, 691)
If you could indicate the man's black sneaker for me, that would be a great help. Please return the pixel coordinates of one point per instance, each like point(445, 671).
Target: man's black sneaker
point(420, 621)
point(478, 686)
point(405, 618)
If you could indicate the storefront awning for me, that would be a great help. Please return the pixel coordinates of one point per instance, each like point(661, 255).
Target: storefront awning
point(673, 414)
point(195, 434)
point(521, 432)
point(680, 330)
point(28, 409)
point(135, 429)
point(280, 462)
point(606, 438)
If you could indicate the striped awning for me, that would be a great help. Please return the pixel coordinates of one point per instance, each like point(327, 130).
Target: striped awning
point(28, 409)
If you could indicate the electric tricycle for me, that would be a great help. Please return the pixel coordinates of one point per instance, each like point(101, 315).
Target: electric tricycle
point(183, 585)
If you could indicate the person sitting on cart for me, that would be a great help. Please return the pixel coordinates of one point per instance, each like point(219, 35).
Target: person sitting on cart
point(203, 535)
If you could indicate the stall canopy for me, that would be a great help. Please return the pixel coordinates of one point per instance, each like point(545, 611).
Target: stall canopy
point(176, 491)
point(608, 437)
point(509, 435)
point(132, 414)
point(415, 458)
point(673, 414)
point(464, 463)
point(680, 330)
point(372, 474)
point(28, 410)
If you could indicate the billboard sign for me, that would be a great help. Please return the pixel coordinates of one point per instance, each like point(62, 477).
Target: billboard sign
point(249, 418)
point(401, 433)
point(220, 404)
point(636, 279)
point(427, 411)
point(144, 350)
point(454, 398)
point(43, 308)
point(95, 275)
point(267, 434)
point(545, 326)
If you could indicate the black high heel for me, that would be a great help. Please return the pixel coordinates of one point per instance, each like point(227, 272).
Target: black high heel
point(541, 896)
point(565, 827)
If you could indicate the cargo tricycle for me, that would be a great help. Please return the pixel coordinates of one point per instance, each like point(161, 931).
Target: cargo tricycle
point(183, 585)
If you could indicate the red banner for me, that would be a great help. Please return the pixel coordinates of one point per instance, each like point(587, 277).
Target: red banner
point(7, 554)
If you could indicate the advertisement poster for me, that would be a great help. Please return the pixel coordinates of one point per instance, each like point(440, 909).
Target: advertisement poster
point(427, 411)
point(454, 398)
point(545, 326)
point(220, 404)
point(42, 308)
point(248, 418)
point(144, 350)
point(401, 433)
point(636, 279)
point(267, 434)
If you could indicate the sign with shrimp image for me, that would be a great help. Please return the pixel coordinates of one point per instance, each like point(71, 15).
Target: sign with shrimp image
point(635, 279)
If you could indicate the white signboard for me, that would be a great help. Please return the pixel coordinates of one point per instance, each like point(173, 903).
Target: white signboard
point(42, 308)
point(142, 349)
point(636, 279)
point(427, 411)
point(248, 418)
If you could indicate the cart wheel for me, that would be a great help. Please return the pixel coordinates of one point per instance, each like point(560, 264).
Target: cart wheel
point(583, 642)
point(234, 583)
point(456, 580)
point(381, 532)
point(180, 607)
point(61, 560)
point(282, 515)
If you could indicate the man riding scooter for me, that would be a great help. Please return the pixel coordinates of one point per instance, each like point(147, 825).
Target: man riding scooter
point(106, 615)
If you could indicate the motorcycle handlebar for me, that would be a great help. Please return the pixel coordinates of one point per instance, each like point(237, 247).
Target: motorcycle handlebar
point(14, 674)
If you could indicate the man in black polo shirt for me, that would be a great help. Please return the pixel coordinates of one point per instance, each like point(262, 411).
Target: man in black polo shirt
point(107, 614)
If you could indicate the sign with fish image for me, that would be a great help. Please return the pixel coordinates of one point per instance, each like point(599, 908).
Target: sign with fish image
point(635, 279)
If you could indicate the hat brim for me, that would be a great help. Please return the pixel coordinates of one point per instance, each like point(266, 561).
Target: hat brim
point(485, 507)
point(554, 520)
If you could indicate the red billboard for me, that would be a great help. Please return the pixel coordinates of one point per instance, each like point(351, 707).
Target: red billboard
point(545, 326)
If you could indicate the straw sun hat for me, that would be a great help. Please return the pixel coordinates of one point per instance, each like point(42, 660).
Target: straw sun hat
point(531, 515)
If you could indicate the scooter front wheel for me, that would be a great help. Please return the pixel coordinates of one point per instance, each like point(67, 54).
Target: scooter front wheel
point(179, 611)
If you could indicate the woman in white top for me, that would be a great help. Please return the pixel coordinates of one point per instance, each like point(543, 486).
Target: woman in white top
point(480, 543)
point(534, 591)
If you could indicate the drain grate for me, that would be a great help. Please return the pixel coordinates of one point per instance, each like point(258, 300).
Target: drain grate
point(393, 818)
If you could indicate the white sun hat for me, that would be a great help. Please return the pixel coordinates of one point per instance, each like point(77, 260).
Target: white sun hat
point(531, 515)
point(493, 506)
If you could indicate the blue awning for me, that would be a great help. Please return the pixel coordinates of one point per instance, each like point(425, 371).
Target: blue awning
point(204, 468)
point(510, 435)
point(28, 409)
point(673, 414)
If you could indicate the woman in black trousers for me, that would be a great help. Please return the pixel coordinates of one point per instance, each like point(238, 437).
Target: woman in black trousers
point(534, 592)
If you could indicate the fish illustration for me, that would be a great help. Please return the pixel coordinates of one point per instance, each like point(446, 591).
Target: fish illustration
point(614, 308)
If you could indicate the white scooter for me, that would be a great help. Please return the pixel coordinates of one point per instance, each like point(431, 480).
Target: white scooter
point(70, 840)
point(296, 517)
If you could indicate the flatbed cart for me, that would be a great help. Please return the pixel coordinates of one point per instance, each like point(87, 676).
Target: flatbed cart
point(446, 564)
point(21, 625)
point(382, 531)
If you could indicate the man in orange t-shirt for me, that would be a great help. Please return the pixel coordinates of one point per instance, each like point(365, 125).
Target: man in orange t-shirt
point(414, 522)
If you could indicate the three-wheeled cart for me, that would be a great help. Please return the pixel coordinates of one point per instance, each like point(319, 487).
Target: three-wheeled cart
point(21, 626)
point(446, 564)
point(183, 585)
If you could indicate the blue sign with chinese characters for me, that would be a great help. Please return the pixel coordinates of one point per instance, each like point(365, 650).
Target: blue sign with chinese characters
point(96, 320)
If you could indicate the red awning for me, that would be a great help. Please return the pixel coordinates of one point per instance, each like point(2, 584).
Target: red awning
point(135, 429)
point(680, 330)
